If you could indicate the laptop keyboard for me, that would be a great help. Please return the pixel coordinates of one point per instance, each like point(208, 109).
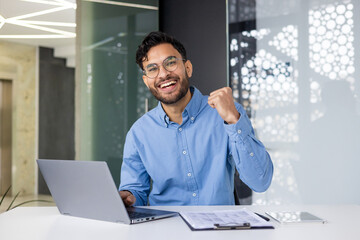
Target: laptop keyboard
point(134, 214)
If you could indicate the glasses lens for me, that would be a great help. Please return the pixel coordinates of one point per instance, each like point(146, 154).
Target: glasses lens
point(170, 64)
point(152, 71)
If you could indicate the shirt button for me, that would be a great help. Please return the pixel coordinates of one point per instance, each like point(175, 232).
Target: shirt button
point(180, 129)
point(239, 131)
point(192, 118)
point(184, 152)
point(194, 194)
point(252, 154)
point(189, 174)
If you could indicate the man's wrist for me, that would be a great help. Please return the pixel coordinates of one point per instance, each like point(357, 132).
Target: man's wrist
point(233, 120)
point(128, 191)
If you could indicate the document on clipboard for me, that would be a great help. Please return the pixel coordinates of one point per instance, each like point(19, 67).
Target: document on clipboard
point(224, 220)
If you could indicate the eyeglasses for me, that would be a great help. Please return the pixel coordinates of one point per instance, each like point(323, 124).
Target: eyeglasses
point(170, 64)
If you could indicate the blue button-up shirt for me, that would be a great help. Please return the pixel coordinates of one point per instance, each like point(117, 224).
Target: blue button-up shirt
point(193, 163)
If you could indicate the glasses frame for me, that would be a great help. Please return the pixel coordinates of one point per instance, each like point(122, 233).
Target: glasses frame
point(163, 65)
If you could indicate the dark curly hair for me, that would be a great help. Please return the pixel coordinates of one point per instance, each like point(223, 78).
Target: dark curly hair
point(153, 39)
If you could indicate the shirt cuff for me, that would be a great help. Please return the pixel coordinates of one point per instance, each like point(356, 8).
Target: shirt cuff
point(239, 130)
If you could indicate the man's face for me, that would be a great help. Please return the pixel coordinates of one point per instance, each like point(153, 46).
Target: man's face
point(167, 87)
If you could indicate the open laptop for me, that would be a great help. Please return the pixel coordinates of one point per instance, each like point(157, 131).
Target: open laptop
point(86, 189)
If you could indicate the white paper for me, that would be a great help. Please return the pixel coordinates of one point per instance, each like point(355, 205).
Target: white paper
point(206, 220)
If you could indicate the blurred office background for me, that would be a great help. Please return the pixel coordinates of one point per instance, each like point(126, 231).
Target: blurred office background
point(70, 87)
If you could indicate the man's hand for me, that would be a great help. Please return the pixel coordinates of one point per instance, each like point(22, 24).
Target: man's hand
point(127, 198)
point(223, 102)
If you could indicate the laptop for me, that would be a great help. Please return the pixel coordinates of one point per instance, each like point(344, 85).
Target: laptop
point(86, 189)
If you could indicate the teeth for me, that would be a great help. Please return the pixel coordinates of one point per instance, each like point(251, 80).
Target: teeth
point(167, 84)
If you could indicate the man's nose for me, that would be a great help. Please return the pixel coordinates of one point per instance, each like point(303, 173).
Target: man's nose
point(162, 72)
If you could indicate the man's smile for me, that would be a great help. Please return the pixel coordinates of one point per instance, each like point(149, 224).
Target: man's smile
point(167, 84)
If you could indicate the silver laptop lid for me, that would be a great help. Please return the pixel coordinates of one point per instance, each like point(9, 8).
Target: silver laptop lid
point(84, 189)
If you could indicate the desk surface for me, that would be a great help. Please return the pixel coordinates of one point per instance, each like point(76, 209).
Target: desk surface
point(46, 223)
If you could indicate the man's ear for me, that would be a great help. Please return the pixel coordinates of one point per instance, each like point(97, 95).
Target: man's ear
point(145, 79)
point(188, 68)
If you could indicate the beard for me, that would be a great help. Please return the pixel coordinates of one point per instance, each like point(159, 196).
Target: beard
point(174, 97)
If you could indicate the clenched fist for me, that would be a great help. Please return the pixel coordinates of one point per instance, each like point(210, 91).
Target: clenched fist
point(223, 102)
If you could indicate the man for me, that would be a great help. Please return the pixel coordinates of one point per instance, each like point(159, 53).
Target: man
point(190, 144)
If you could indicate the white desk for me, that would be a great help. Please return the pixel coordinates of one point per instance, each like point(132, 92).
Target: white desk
point(46, 223)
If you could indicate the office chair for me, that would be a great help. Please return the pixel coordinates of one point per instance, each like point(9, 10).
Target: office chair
point(242, 193)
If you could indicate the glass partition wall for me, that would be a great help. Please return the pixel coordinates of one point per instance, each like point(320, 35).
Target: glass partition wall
point(112, 92)
point(294, 65)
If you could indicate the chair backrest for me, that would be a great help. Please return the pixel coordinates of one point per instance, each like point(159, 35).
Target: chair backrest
point(242, 193)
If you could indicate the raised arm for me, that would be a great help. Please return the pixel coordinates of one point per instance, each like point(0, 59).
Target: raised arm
point(250, 156)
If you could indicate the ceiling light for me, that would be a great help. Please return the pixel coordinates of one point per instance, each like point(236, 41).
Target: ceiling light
point(60, 24)
point(46, 29)
point(39, 13)
point(39, 25)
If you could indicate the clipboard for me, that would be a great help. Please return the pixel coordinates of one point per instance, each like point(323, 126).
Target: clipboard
point(239, 219)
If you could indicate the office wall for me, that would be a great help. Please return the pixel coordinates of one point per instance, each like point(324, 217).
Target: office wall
point(201, 26)
point(302, 88)
point(56, 110)
point(18, 64)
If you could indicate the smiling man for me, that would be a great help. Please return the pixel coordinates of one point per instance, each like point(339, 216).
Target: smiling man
point(190, 144)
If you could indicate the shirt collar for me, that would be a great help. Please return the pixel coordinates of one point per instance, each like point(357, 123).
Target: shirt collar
point(192, 108)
